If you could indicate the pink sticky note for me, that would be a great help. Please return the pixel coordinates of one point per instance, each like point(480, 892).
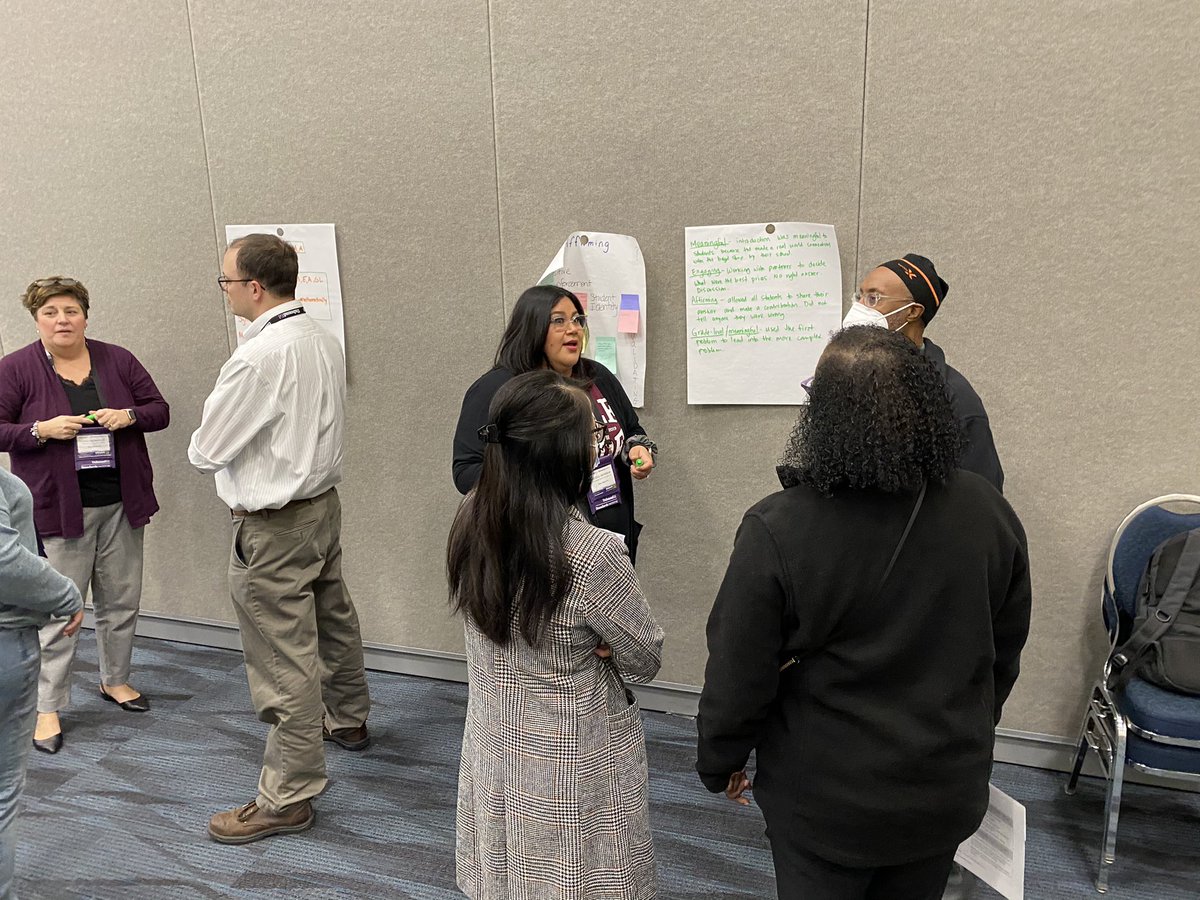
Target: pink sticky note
point(582, 299)
point(629, 317)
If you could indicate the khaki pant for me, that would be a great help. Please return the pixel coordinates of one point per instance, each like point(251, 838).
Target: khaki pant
point(301, 640)
point(108, 556)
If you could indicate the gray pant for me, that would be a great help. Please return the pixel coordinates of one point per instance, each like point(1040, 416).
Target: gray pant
point(109, 557)
point(19, 661)
point(301, 640)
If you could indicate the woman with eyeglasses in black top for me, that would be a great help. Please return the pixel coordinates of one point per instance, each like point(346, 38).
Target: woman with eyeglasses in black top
point(548, 330)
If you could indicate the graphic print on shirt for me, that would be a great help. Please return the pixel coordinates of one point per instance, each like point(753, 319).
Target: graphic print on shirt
point(615, 438)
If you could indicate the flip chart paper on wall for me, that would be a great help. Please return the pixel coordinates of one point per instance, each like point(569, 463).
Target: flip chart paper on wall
point(607, 267)
point(319, 285)
point(762, 301)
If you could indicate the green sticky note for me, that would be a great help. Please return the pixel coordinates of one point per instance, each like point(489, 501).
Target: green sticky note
point(606, 353)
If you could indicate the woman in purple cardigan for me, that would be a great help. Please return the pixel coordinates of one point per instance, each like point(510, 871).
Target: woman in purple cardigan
point(73, 414)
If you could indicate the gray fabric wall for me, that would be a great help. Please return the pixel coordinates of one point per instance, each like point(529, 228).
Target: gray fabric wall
point(1045, 156)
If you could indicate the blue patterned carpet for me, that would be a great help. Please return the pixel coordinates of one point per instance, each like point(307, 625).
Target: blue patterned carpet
point(121, 812)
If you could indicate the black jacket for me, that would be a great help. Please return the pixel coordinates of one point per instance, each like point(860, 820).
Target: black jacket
point(980, 454)
point(876, 748)
point(468, 449)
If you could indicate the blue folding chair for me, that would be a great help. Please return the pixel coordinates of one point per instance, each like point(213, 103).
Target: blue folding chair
point(1141, 725)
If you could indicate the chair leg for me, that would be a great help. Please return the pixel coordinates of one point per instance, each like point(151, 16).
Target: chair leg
point(1112, 808)
point(1080, 753)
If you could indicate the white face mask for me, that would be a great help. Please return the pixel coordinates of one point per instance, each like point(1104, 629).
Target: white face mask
point(864, 315)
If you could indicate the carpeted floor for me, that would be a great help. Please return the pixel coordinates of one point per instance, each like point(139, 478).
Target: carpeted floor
point(121, 812)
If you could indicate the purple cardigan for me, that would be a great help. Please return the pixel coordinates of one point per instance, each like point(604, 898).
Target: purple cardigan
point(30, 391)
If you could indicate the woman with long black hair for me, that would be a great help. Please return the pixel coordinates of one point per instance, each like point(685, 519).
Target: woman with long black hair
point(552, 795)
point(548, 330)
point(866, 635)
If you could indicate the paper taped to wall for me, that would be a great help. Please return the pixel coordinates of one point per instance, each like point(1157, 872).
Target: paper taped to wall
point(762, 301)
point(319, 284)
point(608, 275)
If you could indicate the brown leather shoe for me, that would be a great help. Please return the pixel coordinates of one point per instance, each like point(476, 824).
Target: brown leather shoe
point(249, 823)
point(348, 738)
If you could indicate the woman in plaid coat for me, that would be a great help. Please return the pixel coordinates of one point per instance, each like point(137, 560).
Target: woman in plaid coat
point(552, 797)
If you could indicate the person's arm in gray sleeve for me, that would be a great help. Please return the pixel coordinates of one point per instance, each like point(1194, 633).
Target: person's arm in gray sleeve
point(29, 582)
point(618, 612)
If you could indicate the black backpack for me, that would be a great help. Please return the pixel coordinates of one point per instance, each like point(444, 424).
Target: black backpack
point(1163, 646)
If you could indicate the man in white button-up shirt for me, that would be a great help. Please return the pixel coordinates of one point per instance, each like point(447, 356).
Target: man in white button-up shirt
point(272, 433)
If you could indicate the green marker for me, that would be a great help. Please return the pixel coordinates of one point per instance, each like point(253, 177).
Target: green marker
point(638, 462)
point(91, 416)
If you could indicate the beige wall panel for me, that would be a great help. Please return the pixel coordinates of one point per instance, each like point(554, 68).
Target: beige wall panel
point(1045, 156)
point(646, 119)
point(378, 118)
point(102, 177)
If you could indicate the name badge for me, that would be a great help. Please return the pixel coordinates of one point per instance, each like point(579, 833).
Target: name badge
point(605, 491)
point(94, 449)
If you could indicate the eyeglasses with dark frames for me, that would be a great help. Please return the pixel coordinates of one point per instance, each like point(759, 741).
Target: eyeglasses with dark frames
point(224, 281)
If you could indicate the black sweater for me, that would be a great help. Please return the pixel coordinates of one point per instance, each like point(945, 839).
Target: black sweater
point(876, 748)
point(979, 456)
point(468, 449)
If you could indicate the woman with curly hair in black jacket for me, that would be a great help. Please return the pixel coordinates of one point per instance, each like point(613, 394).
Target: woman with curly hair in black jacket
point(866, 635)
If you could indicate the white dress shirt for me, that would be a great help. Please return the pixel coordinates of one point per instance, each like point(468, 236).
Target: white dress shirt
point(272, 426)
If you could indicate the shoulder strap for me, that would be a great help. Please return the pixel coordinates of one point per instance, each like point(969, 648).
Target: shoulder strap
point(903, 538)
point(1159, 622)
point(792, 660)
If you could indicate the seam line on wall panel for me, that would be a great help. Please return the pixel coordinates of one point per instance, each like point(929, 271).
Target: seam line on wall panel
point(212, 199)
point(862, 147)
point(496, 155)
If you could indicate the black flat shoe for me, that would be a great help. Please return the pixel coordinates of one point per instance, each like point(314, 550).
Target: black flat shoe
point(49, 745)
point(137, 704)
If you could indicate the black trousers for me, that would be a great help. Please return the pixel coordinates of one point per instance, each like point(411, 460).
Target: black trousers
point(800, 875)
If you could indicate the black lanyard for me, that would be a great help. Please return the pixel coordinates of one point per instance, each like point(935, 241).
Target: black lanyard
point(286, 314)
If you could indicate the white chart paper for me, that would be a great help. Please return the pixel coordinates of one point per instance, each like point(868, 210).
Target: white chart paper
point(762, 302)
point(319, 285)
point(996, 852)
point(608, 274)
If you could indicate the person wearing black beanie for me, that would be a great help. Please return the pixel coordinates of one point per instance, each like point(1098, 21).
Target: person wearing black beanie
point(904, 295)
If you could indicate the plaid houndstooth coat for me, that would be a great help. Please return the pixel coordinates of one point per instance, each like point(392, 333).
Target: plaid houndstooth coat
point(552, 792)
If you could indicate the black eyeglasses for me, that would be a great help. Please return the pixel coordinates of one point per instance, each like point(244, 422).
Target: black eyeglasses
point(56, 281)
point(224, 281)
